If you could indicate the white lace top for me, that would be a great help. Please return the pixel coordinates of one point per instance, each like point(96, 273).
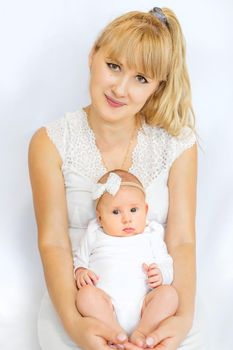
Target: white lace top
point(152, 158)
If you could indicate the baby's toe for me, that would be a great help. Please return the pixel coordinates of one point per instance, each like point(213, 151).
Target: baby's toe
point(138, 338)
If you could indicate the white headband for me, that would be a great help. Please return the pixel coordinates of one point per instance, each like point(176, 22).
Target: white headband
point(112, 186)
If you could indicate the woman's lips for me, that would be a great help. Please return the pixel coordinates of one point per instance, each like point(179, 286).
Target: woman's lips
point(114, 103)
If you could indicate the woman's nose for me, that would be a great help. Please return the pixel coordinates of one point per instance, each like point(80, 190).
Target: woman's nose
point(121, 86)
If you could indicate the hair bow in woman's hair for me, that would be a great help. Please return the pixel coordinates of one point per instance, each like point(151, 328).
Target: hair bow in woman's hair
point(111, 186)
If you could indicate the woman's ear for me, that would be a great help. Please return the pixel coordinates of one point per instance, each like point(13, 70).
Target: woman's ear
point(146, 208)
point(90, 57)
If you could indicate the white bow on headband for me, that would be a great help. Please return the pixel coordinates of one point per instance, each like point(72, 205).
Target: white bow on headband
point(111, 186)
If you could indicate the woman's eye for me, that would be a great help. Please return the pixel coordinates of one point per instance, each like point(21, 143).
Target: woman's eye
point(115, 212)
point(133, 210)
point(113, 66)
point(141, 79)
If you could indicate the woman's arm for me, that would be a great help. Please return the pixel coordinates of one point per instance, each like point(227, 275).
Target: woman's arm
point(51, 215)
point(180, 232)
point(180, 240)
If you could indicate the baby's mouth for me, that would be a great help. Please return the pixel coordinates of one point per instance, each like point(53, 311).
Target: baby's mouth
point(129, 230)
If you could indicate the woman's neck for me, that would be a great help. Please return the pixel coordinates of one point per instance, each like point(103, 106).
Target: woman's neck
point(110, 132)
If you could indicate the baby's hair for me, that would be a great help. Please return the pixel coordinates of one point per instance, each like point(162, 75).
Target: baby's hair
point(124, 175)
point(126, 179)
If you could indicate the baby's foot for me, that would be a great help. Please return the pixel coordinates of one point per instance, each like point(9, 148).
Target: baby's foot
point(138, 338)
point(122, 337)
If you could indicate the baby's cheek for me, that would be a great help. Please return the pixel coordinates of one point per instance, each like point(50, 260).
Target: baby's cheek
point(141, 226)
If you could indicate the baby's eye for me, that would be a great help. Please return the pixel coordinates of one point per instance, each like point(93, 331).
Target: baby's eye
point(133, 210)
point(141, 79)
point(113, 66)
point(115, 211)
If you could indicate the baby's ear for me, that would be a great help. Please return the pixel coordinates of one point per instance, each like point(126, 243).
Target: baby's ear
point(146, 208)
point(98, 217)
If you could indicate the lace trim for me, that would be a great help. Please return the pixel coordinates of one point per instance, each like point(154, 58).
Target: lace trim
point(56, 131)
point(157, 150)
point(154, 152)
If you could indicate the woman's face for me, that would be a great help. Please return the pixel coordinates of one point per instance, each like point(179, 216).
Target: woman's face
point(117, 92)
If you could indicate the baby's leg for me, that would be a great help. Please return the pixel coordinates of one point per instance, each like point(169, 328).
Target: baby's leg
point(94, 302)
point(159, 304)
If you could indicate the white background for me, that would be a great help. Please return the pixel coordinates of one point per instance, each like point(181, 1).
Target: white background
point(44, 73)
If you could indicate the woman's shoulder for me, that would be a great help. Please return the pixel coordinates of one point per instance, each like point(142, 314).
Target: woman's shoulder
point(40, 143)
point(158, 134)
point(68, 120)
point(42, 153)
point(157, 150)
point(171, 146)
point(60, 130)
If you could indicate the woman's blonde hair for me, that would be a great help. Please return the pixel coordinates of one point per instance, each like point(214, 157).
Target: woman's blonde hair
point(158, 50)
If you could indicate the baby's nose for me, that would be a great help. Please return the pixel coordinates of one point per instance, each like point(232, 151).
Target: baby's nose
point(126, 218)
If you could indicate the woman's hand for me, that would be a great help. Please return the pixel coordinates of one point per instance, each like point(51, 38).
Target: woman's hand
point(84, 277)
point(168, 336)
point(93, 334)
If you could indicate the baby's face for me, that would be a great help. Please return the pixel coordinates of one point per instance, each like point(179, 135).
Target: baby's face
point(123, 214)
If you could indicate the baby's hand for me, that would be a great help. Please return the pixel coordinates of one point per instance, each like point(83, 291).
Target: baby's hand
point(85, 277)
point(154, 275)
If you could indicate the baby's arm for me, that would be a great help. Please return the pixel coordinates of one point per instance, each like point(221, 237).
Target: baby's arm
point(162, 268)
point(83, 275)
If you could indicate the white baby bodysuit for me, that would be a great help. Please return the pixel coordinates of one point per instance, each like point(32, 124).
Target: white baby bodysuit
point(118, 263)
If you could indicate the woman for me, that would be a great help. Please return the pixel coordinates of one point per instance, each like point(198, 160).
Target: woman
point(140, 119)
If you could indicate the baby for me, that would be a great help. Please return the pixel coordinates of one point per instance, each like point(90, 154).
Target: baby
point(122, 268)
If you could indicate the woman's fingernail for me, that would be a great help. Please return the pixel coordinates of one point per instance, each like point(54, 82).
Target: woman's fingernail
point(150, 341)
point(120, 346)
point(121, 336)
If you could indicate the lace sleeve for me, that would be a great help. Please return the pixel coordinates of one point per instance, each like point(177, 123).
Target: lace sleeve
point(179, 144)
point(56, 131)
